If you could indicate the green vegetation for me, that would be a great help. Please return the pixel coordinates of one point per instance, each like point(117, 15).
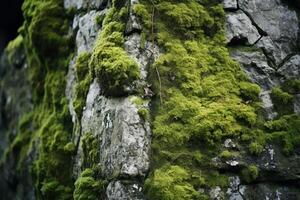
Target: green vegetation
point(226, 154)
point(48, 46)
point(110, 63)
point(171, 183)
point(14, 50)
point(83, 82)
point(143, 113)
point(283, 101)
point(90, 147)
point(207, 99)
point(87, 186)
point(250, 173)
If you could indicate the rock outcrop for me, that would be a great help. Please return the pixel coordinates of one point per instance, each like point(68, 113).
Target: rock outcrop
point(270, 61)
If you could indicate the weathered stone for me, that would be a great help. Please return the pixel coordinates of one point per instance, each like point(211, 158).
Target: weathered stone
point(291, 68)
point(125, 136)
point(239, 28)
point(216, 193)
point(271, 191)
point(87, 30)
point(256, 67)
point(268, 105)
point(124, 190)
point(297, 104)
point(230, 4)
point(235, 190)
point(278, 20)
point(85, 4)
point(133, 24)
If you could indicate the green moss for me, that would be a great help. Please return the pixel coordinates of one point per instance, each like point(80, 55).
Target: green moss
point(285, 130)
point(90, 146)
point(250, 173)
point(283, 101)
point(204, 97)
point(226, 154)
point(110, 63)
point(291, 86)
point(83, 78)
point(88, 187)
point(14, 50)
point(256, 148)
point(249, 91)
point(171, 183)
point(144, 113)
point(48, 45)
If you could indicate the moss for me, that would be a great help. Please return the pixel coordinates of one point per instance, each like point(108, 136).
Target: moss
point(204, 97)
point(83, 78)
point(256, 148)
point(48, 46)
point(249, 91)
point(170, 183)
point(143, 113)
point(110, 63)
point(15, 50)
point(285, 130)
point(283, 101)
point(226, 154)
point(88, 187)
point(90, 146)
point(291, 86)
point(250, 173)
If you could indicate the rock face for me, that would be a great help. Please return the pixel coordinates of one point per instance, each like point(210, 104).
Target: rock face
point(15, 101)
point(268, 62)
point(262, 36)
point(124, 136)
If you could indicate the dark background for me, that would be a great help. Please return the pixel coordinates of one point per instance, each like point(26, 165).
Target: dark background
point(11, 19)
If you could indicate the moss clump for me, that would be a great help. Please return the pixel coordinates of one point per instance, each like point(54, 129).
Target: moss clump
point(171, 182)
point(226, 154)
point(110, 63)
point(88, 187)
point(14, 51)
point(250, 173)
point(83, 78)
point(48, 45)
point(291, 86)
point(283, 101)
point(256, 148)
point(285, 130)
point(144, 113)
point(249, 91)
point(205, 95)
point(90, 146)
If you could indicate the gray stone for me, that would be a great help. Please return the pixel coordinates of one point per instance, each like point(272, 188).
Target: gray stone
point(267, 104)
point(297, 104)
point(230, 4)
point(88, 30)
point(216, 193)
point(133, 24)
point(85, 4)
point(118, 190)
point(269, 191)
point(278, 20)
point(239, 27)
point(256, 66)
point(291, 68)
point(235, 190)
point(125, 137)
